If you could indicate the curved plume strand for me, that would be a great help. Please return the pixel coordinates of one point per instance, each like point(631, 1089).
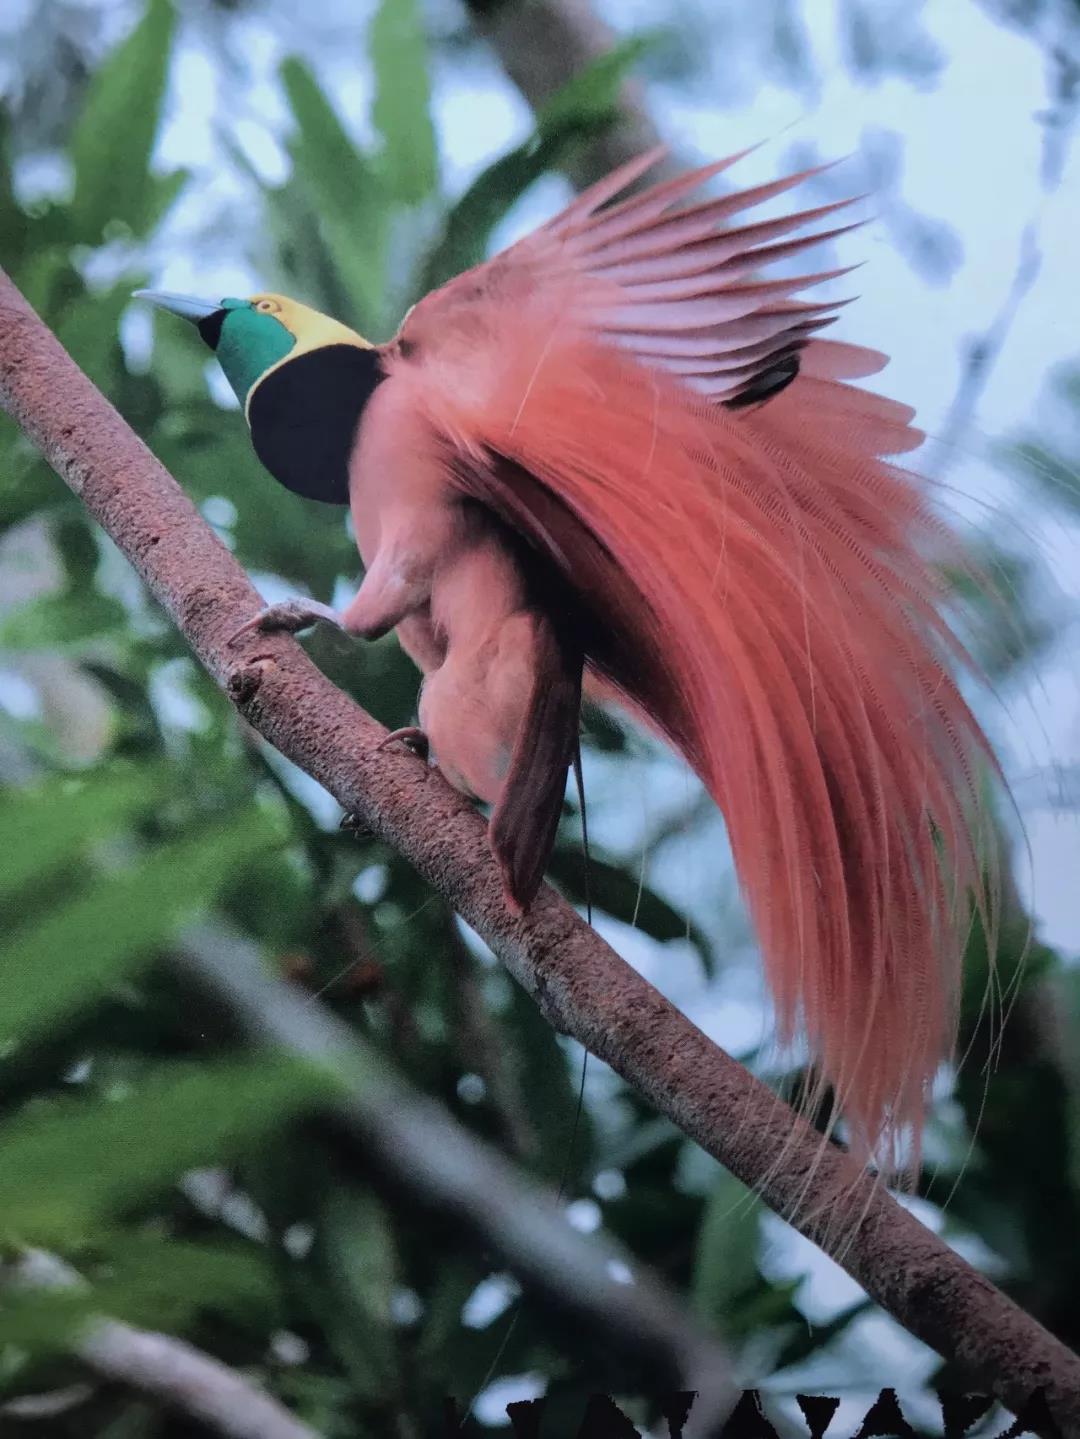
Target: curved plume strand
point(639, 220)
point(653, 279)
point(644, 206)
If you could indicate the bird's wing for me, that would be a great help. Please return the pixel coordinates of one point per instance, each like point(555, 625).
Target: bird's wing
point(676, 283)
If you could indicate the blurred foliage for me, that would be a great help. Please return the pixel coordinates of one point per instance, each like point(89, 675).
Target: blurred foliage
point(193, 1188)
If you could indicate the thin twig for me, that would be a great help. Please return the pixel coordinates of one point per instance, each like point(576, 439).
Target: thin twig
point(179, 1374)
point(166, 1368)
point(581, 985)
point(983, 353)
point(1059, 33)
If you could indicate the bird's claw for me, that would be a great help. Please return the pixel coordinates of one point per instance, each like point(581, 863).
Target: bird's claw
point(412, 737)
point(289, 616)
point(354, 825)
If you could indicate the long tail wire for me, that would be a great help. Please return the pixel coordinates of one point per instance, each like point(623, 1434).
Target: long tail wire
point(579, 781)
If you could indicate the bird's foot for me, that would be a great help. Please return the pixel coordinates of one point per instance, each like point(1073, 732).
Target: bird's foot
point(289, 616)
point(412, 737)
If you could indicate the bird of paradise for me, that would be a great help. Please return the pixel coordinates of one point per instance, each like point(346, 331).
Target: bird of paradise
point(614, 458)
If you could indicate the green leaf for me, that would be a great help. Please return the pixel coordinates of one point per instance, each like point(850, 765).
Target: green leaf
point(592, 95)
point(48, 826)
point(469, 224)
point(446, 1297)
point(62, 621)
point(78, 550)
point(357, 1264)
point(577, 113)
point(551, 1088)
point(451, 1358)
point(1054, 472)
point(44, 1321)
point(726, 1252)
point(29, 485)
point(70, 1167)
point(162, 192)
point(88, 327)
point(402, 108)
point(1000, 599)
point(346, 195)
point(14, 224)
point(48, 280)
point(114, 137)
point(66, 959)
point(300, 239)
point(166, 1282)
point(154, 1279)
point(179, 367)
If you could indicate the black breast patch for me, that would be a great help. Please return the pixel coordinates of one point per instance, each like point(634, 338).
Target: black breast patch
point(304, 417)
point(773, 377)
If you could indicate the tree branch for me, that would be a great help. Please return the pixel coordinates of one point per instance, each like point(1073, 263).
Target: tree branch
point(178, 1374)
point(580, 984)
point(541, 44)
point(166, 1368)
point(411, 1141)
point(983, 353)
point(1056, 27)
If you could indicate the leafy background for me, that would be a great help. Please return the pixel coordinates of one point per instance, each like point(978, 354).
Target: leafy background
point(223, 146)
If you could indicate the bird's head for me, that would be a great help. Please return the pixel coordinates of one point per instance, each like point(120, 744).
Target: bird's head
point(302, 378)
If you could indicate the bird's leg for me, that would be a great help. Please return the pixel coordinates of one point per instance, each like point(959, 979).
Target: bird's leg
point(391, 590)
point(288, 616)
point(397, 585)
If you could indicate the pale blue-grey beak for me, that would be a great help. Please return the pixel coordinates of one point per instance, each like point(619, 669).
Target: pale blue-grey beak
point(183, 305)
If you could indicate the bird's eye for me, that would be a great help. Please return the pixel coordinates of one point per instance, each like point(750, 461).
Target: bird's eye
point(268, 307)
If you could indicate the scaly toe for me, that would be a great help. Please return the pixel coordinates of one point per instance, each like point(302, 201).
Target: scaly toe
point(288, 617)
point(412, 737)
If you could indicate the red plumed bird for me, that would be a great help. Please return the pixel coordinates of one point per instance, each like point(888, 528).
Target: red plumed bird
point(614, 455)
